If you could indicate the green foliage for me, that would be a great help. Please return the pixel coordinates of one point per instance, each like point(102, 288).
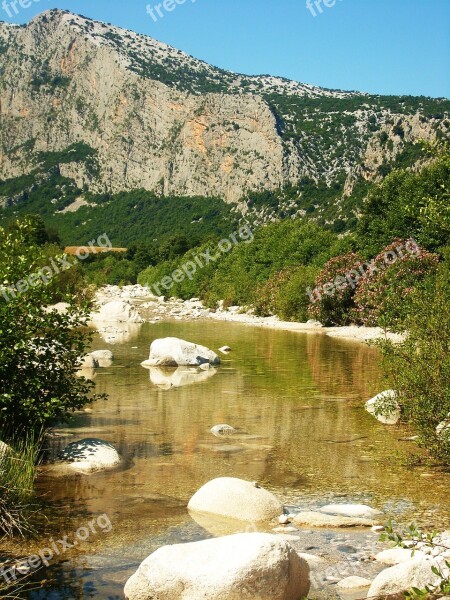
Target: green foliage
point(39, 349)
point(284, 294)
point(332, 299)
point(383, 294)
point(413, 538)
point(419, 367)
point(409, 205)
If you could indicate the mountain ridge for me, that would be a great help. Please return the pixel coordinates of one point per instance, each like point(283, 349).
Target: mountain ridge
point(157, 119)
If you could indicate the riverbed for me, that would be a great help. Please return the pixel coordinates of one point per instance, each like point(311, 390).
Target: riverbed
point(297, 400)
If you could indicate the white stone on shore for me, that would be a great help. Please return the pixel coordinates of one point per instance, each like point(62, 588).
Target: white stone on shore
point(87, 456)
point(354, 583)
point(416, 572)
point(384, 407)
point(181, 352)
point(350, 510)
point(318, 519)
point(236, 499)
point(250, 566)
point(395, 556)
point(117, 311)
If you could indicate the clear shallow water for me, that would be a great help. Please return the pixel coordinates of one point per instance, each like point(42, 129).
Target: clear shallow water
point(298, 402)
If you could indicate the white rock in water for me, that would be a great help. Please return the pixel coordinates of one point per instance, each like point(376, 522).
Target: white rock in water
point(416, 572)
point(222, 430)
point(384, 407)
point(246, 566)
point(89, 455)
point(354, 583)
point(225, 349)
point(117, 311)
point(236, 499)
point(181, 352)
point(102, 354)
point(395, 556)
point(88, 362)
point(318, 519)
point(350, 510)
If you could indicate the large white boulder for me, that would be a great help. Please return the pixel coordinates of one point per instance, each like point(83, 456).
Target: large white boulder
point(172, 351)
point(88, 456)
point(351, 510)
point(236, 499)
point(103, 358)
point(395, 556)
point(384, 407)
point(246, 566)
point(117, 311)
point(416, 572)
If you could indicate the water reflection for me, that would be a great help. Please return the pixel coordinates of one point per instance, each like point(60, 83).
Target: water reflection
point(297, 403)
point(175, 378)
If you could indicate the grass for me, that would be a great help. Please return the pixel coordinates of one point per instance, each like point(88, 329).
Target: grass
point(18, 468)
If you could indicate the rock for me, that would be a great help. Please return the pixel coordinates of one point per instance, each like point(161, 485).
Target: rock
point(416, 572)
point(314, 323)
point(102, 355)
point(167, 379)
point(117, 311)
point(223, 430)
point(318, 519)
point(395, 556)
point(225, 349)
point(384, 407)
point(350, 510)
point(181, 352)
point(236, 499)
point(311, 559)
point(443, 429)
point(89, 455)
point(354, 583)
point(378, 528)
point(60, 307)
point(284, 520)
point(88, 362)
point(245, 566)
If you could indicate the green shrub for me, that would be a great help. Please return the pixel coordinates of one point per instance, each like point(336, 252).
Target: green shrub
point(382, 295)
point(419, 368)
point(332, 297)
point(39, 349)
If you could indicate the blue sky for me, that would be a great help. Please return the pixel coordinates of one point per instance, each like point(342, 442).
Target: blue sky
point(378, 46)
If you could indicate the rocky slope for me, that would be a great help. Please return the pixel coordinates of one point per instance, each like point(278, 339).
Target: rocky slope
point(158, 119)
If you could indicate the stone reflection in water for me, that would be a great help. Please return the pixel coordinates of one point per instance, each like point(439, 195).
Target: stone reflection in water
point(175, 378)
point(119, 333)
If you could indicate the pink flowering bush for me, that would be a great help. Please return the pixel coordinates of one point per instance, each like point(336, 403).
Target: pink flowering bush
point(331, 298)
point(383, 294)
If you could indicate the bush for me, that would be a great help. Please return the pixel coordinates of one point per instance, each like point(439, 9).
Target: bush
point(382, 295)
point(39, 349)
point(419, 368)
point(285, 294)
point(331, 300)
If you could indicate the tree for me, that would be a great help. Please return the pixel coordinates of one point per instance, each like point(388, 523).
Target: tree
point(39, 348)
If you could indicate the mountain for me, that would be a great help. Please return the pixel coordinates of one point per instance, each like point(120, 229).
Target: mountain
point(89, 107)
